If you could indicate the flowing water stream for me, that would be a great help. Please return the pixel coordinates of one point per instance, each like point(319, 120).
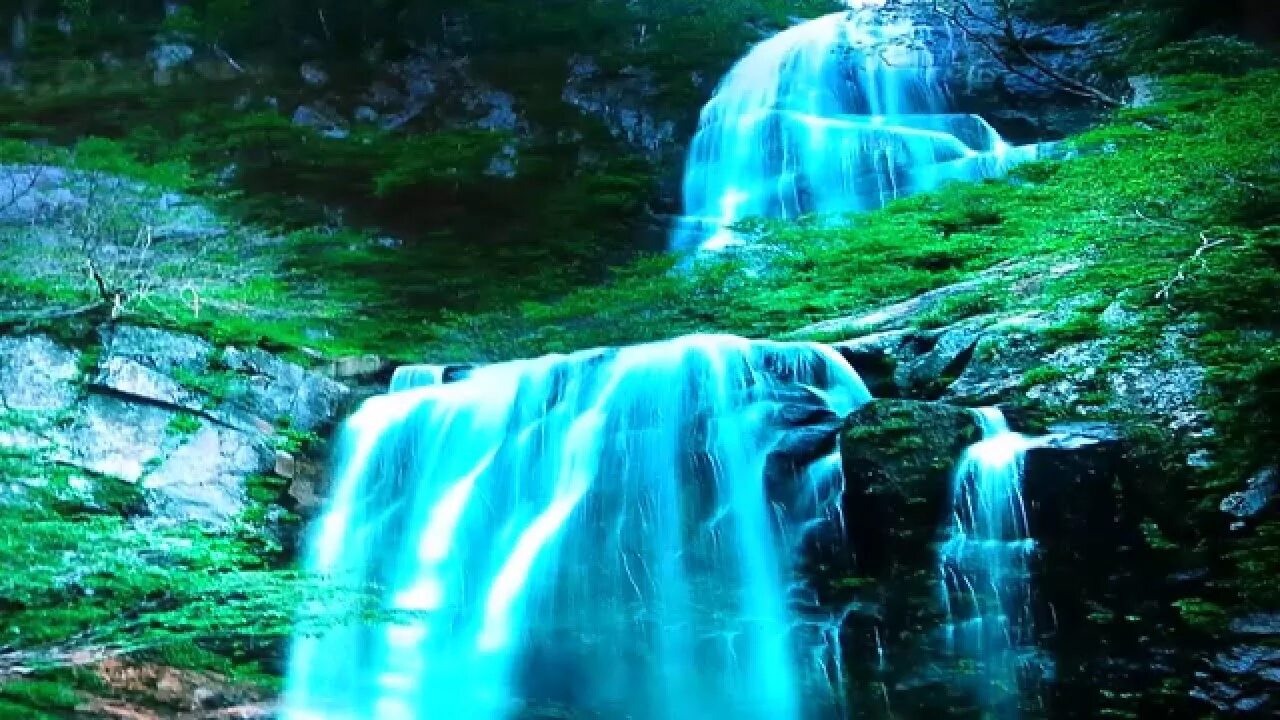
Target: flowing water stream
point(984, 565)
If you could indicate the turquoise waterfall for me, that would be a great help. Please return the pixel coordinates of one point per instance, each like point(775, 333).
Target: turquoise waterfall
point(984, 563)
point(599, 530)
point(838, 114)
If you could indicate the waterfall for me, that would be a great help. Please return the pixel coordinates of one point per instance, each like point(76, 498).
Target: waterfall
point(984, 565)
point(838, 114)
point(609, 531)
point(408, 377)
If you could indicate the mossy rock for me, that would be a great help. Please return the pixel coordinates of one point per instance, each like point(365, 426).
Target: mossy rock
point(898, 458)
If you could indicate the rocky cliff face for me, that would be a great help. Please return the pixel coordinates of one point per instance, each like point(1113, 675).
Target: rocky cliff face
point(187, 425)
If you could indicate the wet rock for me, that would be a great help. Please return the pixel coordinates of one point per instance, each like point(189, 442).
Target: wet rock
point(313, 75)
point(898, 457)
point(166, 58)
point(952, 347)
point(875, 357)
point(277, 390)
point(321, 119)
point(1068, 488)
point(1251, 501)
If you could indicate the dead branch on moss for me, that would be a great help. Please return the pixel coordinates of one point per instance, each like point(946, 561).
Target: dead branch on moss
point(1196, 261)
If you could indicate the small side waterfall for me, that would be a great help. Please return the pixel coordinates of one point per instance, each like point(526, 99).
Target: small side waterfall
point(601, 531)
point(408, 377)
point(839, 114)
point(984, 566)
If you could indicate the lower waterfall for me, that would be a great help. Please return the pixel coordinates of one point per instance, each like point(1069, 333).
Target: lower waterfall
point(984, 565)
point(612, 531)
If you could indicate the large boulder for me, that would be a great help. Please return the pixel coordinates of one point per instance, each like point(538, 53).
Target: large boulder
point(898, 458)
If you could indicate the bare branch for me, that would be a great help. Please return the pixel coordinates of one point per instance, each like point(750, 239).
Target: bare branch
point(1196, 260)
point(1001, 39)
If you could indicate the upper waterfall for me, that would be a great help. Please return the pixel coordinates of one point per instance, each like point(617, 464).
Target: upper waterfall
point(612, 530)
point(841, 113)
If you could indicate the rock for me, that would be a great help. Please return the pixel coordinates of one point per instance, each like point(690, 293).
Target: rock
point(166, 58)
point(898, 458)
point(1021, 104)
point(624, 102)
point(1244, 679)
point(112, 436)
point(127, 377)
point(1262, 623)
point(952, 347)
point(356, 368)
point(286, 466)
point(503, 164)
point(901, 315)
point(321, 119)
point(313, 75)
point(37, 374)
point(203, 479)
point(1251, 501)
point(281, 391)
point(875, 357)
point(1142, 89)
point(1153, 387)
point(498, 108)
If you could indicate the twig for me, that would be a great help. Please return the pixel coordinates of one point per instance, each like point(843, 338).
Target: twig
point(1206, 244)
point(226, 56)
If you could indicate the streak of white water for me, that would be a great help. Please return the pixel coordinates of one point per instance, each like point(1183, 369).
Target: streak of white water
point(595, 530)
point(839, 114)
point(408, 377)
point(984, 564)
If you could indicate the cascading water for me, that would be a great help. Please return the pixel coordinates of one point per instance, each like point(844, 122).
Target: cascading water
point(984, 565)
point(408, 377)
point(599, 530)
point(839, 114)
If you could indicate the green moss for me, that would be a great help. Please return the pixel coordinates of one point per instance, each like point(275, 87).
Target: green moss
point(958, 307)
point(38, 696)
point(1201, 615)
point(1079, 327)
point(1042, 375)
point(182, 424)
point(265, 488)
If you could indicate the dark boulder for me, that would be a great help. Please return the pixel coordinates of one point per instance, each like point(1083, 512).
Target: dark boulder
point(898, 458)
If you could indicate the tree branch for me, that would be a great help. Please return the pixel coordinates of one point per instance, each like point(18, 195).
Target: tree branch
point(1008, 47)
